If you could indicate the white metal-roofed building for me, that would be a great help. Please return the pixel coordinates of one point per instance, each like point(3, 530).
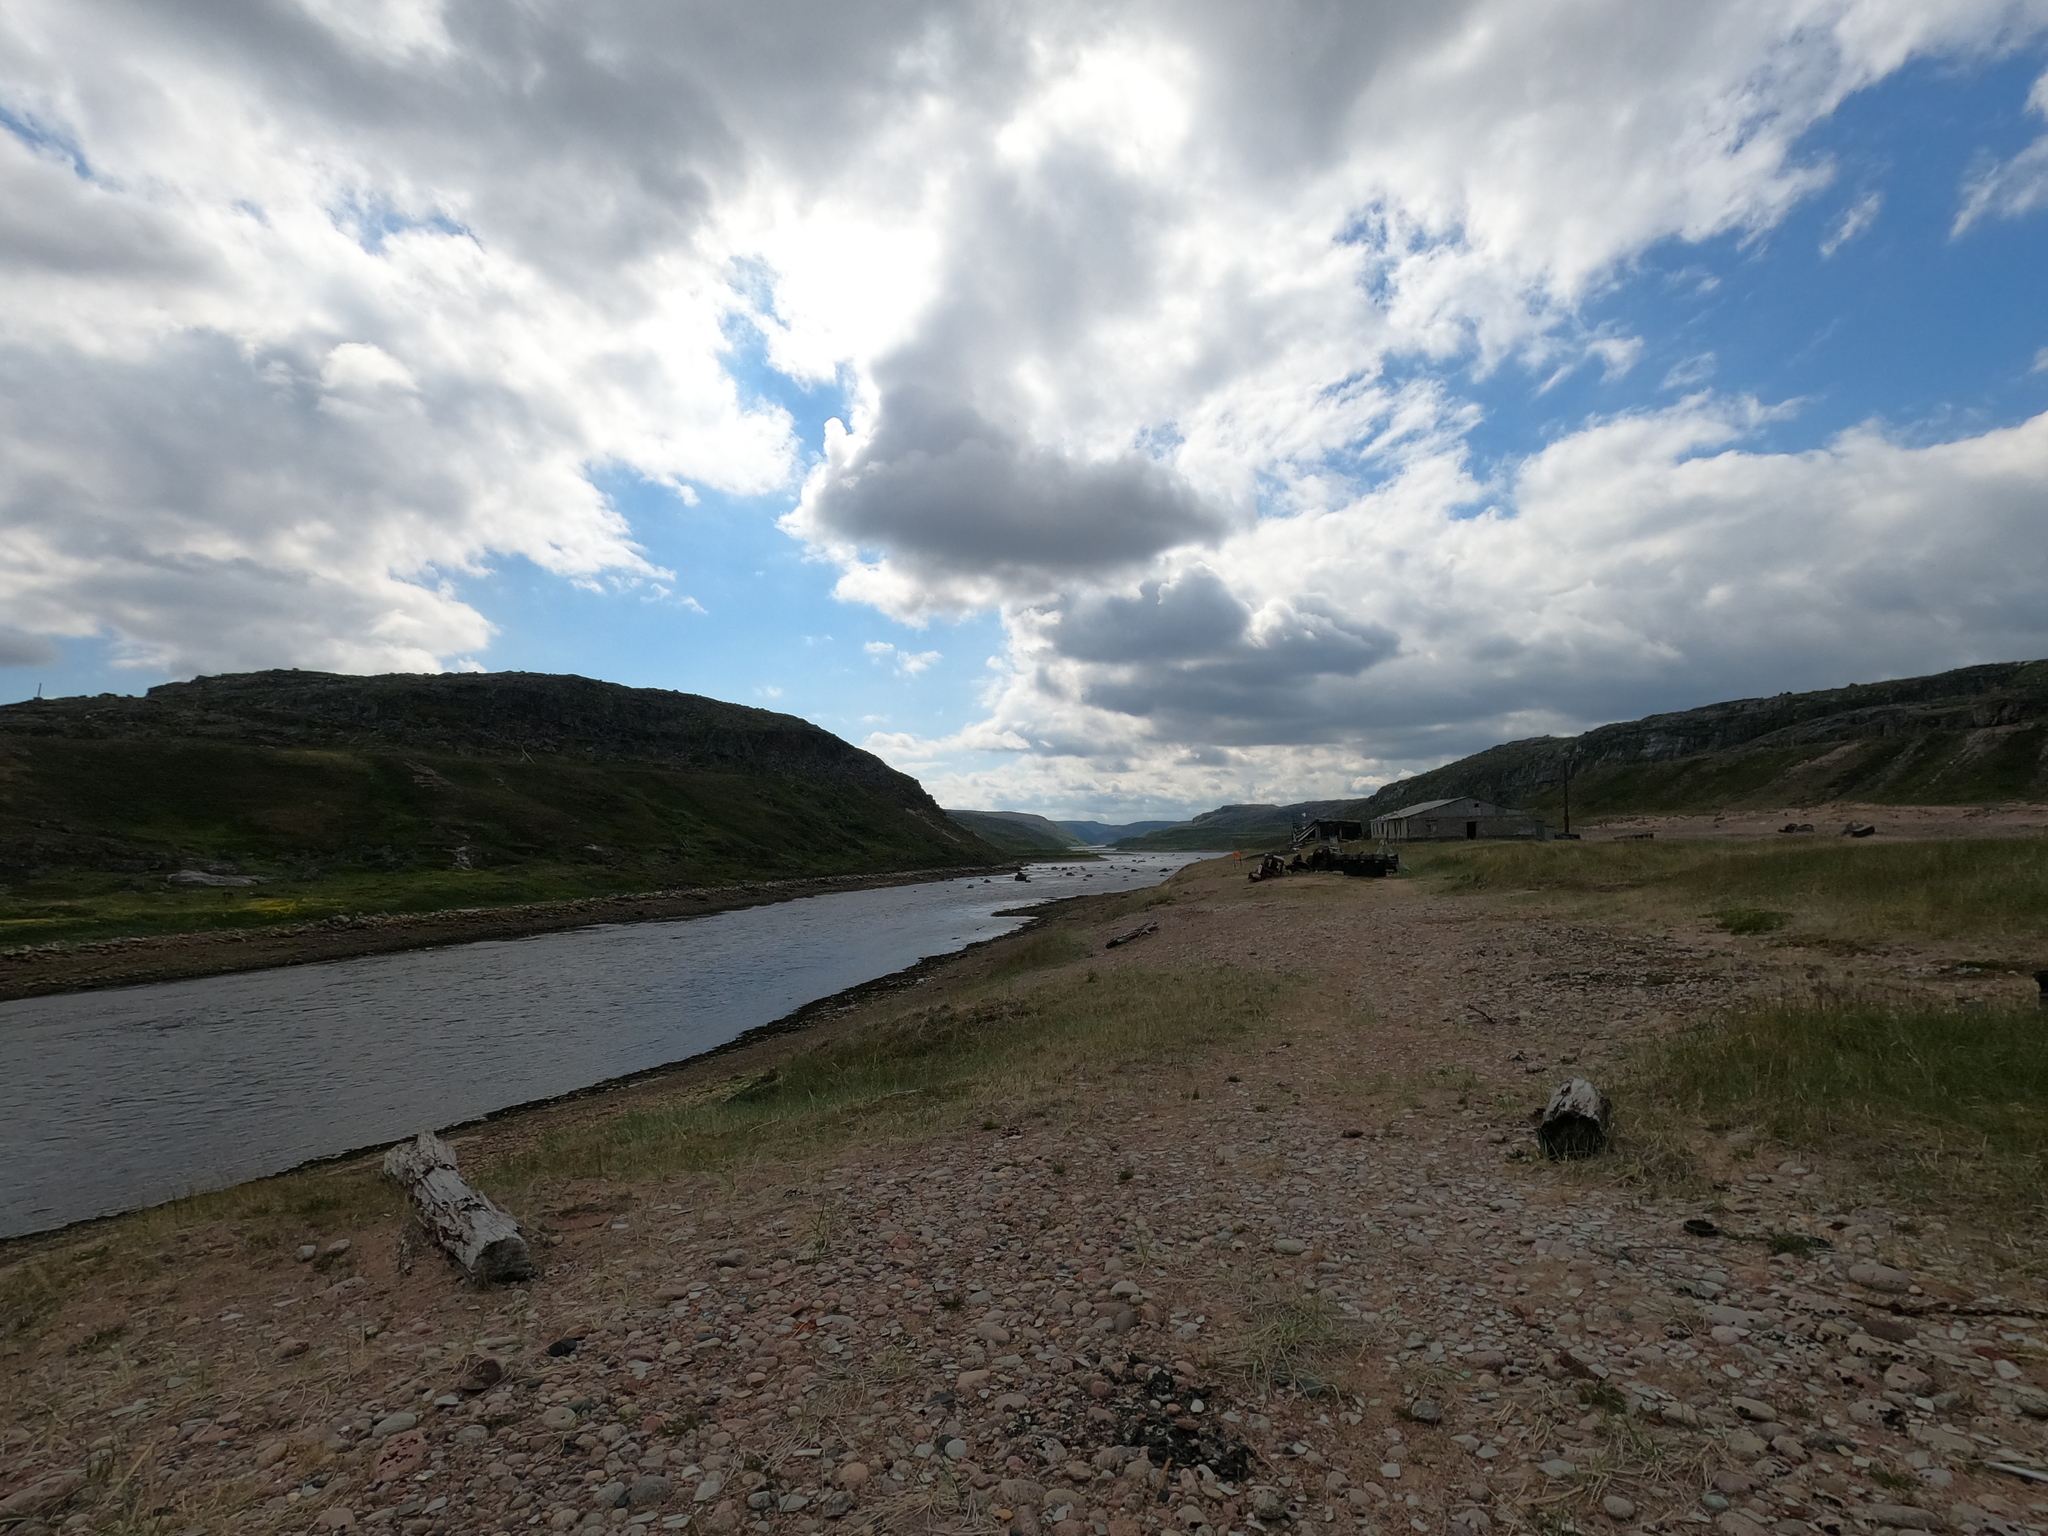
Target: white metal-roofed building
point(1456, 820)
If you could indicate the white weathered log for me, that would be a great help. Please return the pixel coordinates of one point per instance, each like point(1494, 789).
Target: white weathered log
point(478, 1235)
point(1574, 1123)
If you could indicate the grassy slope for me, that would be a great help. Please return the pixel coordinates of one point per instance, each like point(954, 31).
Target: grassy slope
point(1229, 827)
point(353, 829)
point(1016, 832)
point(1992, 892)
point(1976, 736)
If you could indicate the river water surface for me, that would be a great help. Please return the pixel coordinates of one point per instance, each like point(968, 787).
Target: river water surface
point(124, 1098)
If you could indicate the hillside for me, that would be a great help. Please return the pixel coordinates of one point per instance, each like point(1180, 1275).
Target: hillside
point(1974, 736)
point(1017, 832)
point(415, 791)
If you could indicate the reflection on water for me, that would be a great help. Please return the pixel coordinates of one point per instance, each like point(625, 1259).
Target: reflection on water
point(118, 1099)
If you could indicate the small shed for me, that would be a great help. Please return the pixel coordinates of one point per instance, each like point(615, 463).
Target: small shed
point(1459, 820)
point(1327, 831)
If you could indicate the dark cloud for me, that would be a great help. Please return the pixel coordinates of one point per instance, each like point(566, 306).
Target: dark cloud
point(18, 650)
point(947, 492)
point(1189, 658)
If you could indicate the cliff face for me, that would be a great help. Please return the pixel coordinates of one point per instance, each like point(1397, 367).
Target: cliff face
point(1969, 736)
point(311, 769)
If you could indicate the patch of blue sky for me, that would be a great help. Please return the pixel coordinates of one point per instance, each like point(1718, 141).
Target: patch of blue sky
point(79, 666)
point(373, 219)
point(1861, 306)
point(747, 618)
point(47, 141)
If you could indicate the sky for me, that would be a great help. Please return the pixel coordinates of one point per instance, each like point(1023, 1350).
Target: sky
point(1109, 412)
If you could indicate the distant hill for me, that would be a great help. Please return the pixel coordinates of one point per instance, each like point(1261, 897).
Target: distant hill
point(1234, 826)
point(1101, 834)
point(310, 772)
point(1017, 831)
point(1973, 736)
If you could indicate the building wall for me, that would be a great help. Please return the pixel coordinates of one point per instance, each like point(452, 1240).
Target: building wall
point(1447, 825)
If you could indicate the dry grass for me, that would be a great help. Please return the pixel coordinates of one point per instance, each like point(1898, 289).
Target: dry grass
point(1944, 1102)
point(1291, 1339)
point(1993, 892)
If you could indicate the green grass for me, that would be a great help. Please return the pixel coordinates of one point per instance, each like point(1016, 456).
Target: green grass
point(992, 1054)
point(1949, 1101)
point(1994, 890)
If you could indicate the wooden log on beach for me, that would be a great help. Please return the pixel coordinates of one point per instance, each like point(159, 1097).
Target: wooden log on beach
point(1574, 1123)
point(478, 1236)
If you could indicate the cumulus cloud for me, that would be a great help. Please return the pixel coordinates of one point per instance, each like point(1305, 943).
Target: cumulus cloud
point(1155, 324)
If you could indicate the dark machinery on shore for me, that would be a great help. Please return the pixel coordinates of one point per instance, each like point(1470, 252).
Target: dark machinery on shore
point(1319, 847)
point(1370, 865)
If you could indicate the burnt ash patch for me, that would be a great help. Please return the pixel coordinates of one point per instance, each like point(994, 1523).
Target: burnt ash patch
point(1148, 1408)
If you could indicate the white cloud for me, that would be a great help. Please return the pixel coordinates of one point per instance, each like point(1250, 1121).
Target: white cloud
point(2008, 189)
point(907, 663)
point(1858, 217)
point(1691, 371)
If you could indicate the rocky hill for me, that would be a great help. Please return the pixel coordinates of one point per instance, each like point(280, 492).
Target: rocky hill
point(309, 772)
point(1974, 736)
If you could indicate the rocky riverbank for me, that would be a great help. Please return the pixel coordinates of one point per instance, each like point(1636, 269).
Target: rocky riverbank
point(1312, 1279)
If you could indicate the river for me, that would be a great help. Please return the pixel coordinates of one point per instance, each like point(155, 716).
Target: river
point(114, 1100)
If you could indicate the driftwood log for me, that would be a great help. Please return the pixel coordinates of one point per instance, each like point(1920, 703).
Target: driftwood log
point(1574, 1123)
point(1136, 933)
point(480, 1237)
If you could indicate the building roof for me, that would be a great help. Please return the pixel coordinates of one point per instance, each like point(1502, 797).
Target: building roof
point(1425, 805)
point(1328, 826)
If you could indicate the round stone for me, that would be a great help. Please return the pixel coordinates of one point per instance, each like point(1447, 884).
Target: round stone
point(558, 1417)
point(955, 1449)
point(647, 1491)
point(852, 1475)
point(1618, 1507)
point(394, 1423)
